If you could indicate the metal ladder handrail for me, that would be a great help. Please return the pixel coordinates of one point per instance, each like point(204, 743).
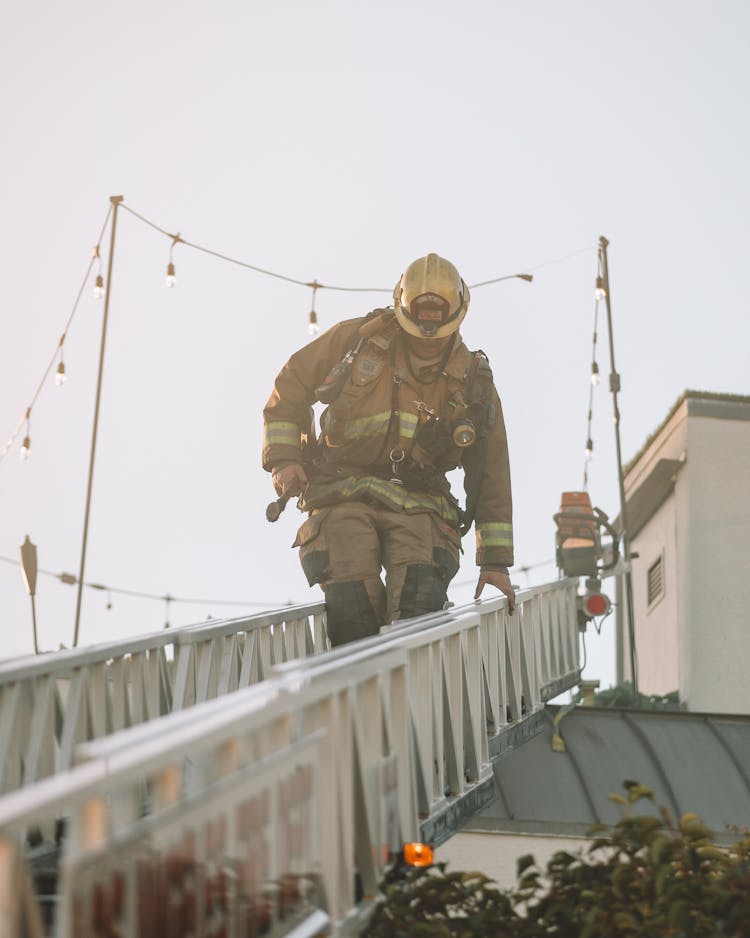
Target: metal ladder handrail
point(411, 719)
point(50, 702)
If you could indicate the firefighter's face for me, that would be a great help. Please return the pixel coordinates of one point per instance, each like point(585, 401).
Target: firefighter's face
point(427, 348)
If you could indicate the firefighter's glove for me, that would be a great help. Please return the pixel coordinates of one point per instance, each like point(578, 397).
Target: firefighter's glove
point(499, 579)
point(289, 480)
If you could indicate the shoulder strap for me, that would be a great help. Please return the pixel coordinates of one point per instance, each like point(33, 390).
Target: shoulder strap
point(373, 326)
point(480, 384)
point(379, 327)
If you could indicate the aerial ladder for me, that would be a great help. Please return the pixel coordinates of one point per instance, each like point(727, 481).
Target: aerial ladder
point(242, 778)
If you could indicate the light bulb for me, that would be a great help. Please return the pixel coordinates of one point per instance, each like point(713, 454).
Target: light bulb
point(99, 287)
point(464, 434)
point(312, 327)
point(600, 293)
point(594, 373)
point(171, 279)
point(25, 447)
point(61, 377)
point(589, 452)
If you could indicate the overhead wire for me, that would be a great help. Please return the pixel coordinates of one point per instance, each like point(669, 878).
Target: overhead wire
point(529, 270)
point(70, 579)
point(517, 568)
point(178, 239)
point(314, 284)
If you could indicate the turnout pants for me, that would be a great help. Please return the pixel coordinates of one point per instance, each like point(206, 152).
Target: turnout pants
point(345, 547)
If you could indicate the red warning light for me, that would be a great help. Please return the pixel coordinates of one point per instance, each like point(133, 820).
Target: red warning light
point(596, 604)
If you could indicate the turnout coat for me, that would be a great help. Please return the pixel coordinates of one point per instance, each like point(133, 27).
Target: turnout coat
point(371, 442)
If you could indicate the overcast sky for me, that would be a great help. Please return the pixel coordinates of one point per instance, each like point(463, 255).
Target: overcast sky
point(338, 141)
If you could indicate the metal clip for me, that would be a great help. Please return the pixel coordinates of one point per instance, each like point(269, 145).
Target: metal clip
point(396, 456)
point(424, 413)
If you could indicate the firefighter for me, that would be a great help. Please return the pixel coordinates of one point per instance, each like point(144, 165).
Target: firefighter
point(406, 402)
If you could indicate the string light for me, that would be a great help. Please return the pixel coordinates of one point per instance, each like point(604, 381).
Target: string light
point(26, 444)
point(70, 579)
point(167, 600)
point(15, 434)
point(594, 377)
point(528, 277)
point(60, 375)
point(312, 325)
point(99, 282)
point(171, 279)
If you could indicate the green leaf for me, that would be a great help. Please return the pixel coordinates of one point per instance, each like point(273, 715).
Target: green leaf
point(693, 827)
point(679, 913)
point(636, 792)
point(662, 878)
point(624, 920)
point(689, 818)
point(661, 849)
point(649, 882)
point(524, 862)
point(716, 854)
point(475, 876)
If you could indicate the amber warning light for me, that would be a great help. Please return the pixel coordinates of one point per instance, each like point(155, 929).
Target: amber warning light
point(416, 854)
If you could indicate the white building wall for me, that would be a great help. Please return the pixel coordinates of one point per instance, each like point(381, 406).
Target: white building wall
point(696, 638)
point(656, 627)
point(684, 650)
point(496, 854)
point(656, 624)
point(717, 584)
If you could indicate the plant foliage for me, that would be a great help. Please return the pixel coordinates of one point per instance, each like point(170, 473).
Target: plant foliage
point(645, 877)
point(625, 695)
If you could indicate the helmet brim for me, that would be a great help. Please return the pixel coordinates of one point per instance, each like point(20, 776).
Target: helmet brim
point(411, 327)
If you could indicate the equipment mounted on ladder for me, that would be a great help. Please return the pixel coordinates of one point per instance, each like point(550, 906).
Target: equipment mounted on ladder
point(579, 551)
point(578, 540)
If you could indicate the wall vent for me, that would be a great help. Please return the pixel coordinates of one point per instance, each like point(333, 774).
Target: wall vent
point(655, 581)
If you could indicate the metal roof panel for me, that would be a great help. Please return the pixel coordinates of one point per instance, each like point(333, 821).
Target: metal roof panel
point(693, 762)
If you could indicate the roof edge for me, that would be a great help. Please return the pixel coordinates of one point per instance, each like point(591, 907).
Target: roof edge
point(688, 394)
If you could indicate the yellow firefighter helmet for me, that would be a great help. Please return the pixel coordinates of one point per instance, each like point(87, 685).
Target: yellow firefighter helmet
point(430, 299)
